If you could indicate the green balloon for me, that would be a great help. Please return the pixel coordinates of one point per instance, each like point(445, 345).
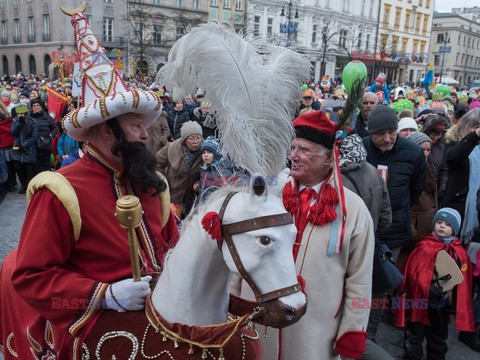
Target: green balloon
point(353, 70)
point(304, 87)
point(443, 89)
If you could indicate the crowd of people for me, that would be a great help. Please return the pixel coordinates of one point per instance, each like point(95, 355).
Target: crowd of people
point(412, 156)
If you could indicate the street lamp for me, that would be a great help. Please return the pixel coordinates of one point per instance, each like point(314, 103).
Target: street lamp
point(445, 41)
point(288, 27)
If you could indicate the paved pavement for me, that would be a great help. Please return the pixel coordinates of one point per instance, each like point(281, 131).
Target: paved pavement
point(12, 213)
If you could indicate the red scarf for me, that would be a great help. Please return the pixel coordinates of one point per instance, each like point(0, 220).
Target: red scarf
point(320, 213)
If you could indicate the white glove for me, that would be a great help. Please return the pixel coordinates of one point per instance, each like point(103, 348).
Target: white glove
point(127, 295)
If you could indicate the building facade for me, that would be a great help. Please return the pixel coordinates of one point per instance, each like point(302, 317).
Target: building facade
point(329, 33)
point(35, 36)
point(404, 37)
point(455, 47)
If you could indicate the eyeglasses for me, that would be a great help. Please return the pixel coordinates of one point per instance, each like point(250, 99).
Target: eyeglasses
point(307, 98)
point(194, 138)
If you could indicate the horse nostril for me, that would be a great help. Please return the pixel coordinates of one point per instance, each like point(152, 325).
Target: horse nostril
point(290, 314)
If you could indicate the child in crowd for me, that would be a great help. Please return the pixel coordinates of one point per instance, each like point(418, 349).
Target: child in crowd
point(215, 171)
point(430, 319)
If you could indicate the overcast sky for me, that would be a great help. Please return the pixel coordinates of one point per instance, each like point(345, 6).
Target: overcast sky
point(446, 5)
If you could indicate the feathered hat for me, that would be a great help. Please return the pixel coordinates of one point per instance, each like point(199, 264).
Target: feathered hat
point(104, 94)
point(253, 88)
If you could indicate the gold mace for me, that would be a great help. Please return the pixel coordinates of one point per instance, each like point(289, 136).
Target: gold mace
point(129, 214)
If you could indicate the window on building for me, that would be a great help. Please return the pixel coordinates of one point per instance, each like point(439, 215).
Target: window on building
point(156, 2)
point(425, 23)
point(367, 42)
point(464, 40)
point(359, 41)
point(195, 5)
point(2, 3)
point(4, 29)
point(420, 2)
point(108, 1)
point(436, 60)
point(362, 8)
point(342, 39)
point(180, 32)
point(256, 26)
point(213, 3)
point(138, 36)
point(417, 25)
point(386, 14)
point(226, 4)
point(314, 33)
point(15, 2)
point(346, 5)
point(31, 26)
point(46, 26)
point(16, 28)
point(427, 5)
point(456, 59)
point(370, 10)
point(157, 34)
point(107, 28)
point(398, 14)
point(269, 26)
point(178, 3)
point(407, 20)
point(238, 4)
point(463, 59)
point(440, 38)
point(468, 42)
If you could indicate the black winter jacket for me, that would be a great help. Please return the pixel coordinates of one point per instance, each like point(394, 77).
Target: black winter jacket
point(405, 183)
point(456, 157)
point(45, 124)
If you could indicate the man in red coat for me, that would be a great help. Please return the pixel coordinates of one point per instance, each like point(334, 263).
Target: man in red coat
point(73, 259)
point(428, 307)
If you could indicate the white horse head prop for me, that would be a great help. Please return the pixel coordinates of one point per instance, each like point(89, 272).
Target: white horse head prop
point(258, 238)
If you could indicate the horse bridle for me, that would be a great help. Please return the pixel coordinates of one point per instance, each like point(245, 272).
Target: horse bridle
point(249, 225)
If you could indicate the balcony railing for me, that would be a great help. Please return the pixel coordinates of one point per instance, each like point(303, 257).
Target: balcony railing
point(46, 37)
point(112, 41)
point(17, 39)
point(31, 38)
point(4, 40)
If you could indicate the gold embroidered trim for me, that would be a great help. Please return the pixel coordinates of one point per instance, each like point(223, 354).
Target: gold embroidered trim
point(136, 99)
point(156, 322)
point(74, 119)
point(9, 345)
point(63, 190)
point(103, 108)
point(93, 306)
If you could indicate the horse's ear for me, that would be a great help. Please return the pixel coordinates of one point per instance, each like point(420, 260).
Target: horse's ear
point(259, 186)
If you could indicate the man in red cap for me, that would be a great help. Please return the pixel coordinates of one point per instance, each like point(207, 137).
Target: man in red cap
point(333, 251)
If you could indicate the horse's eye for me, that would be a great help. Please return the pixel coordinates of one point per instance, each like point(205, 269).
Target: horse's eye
point(265, 240)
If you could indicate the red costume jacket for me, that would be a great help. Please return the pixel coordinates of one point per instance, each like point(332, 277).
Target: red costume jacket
point(418, 274)
point(69, 253)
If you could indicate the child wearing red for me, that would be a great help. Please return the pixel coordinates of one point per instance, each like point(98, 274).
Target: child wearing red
point(431, 322)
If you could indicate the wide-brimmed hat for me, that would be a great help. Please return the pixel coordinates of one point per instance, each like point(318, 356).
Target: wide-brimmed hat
point(104, 93)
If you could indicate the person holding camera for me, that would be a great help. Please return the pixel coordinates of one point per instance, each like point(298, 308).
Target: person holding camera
point(24, 151)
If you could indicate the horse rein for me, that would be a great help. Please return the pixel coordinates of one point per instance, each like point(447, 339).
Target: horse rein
point(249, 225)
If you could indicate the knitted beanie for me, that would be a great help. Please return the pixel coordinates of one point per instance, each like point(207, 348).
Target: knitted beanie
point(419, 138)
point(382, 118)
point(212, 144)
point(190, 128)
point(451, 216)
point(474, 104)
point(407, 123)
point(37, 101)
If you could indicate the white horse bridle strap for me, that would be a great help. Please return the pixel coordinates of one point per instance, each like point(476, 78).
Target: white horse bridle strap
point(249, 225)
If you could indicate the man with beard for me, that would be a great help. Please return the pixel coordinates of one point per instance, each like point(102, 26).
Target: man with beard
point(73, 258)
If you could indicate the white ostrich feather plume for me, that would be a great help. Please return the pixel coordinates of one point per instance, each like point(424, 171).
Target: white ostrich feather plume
point(253, 87)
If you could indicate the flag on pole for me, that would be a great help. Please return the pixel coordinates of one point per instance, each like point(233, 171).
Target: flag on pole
point(56, 103)
point(428, 80)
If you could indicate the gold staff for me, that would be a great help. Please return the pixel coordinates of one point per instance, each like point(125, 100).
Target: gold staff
point(129, 215)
